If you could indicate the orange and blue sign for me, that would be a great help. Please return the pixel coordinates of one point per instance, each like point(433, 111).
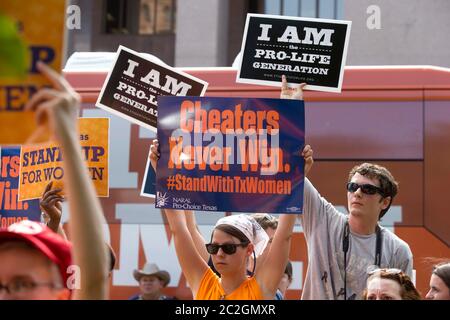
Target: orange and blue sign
point(230, 154)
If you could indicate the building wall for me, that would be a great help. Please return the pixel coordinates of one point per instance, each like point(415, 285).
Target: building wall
point(209, 32)
point(201, 33)
point(92, 36)
point(413, 32)
point(237, 15)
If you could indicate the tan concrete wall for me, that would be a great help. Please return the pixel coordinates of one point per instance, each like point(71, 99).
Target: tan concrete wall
point(412, 32)
point(201, 33)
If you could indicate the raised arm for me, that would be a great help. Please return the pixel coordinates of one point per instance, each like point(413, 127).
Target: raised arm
point(191, 261)
point(58, 108)
point(316, 209)
point(50, 204)
point(270, 273)
point(199, 241)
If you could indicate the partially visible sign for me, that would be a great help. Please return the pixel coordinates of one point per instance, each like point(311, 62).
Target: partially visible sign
point(11, 209)
point(42, 163)
point(134, 83)
point(42, 25)
point(44, 38)
point(148, 188)
point(304, 49)
point(19, 127)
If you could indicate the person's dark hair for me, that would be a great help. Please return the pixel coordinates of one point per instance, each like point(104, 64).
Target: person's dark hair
point(442, 270)
point(387, 182)
point(408, 290)
point(288, 270)
point(265, 220)
point(232, 231)
point(112, 257)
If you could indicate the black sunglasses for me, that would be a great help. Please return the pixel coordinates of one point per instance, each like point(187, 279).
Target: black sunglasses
point(365, 188)
point(228, 248)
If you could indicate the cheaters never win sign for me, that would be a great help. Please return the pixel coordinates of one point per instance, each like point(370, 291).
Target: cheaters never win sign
point(303, 49)
point(136, 80)
point(230, 154)
point(42, 163)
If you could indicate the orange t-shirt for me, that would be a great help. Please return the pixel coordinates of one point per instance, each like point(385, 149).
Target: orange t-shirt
point(211, 289)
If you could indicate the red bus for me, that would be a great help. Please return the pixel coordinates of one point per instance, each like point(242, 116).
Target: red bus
point(398, 117)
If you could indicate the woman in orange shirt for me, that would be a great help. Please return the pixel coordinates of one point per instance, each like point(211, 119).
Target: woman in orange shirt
point(232, 234)
point(233, 241)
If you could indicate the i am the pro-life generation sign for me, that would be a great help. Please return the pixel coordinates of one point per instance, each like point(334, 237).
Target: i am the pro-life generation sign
point(303, 49)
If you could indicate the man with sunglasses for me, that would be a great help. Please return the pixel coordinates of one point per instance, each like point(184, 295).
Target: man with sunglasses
point(342, 247)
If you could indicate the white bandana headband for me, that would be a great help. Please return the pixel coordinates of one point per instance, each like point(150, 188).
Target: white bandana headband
point(250, 228)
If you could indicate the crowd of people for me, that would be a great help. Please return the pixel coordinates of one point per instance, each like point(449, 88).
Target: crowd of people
point(350, 256)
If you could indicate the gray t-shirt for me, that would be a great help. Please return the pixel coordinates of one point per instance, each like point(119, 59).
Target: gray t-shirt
point(323, 227)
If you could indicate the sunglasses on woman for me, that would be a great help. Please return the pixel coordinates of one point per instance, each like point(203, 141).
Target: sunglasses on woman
point(365, 188)
point(228, 248)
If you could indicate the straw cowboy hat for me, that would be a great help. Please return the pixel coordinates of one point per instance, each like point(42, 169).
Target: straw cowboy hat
point(151, 269)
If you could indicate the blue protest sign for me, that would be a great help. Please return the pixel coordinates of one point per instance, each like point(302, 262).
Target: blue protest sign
point(12, 210)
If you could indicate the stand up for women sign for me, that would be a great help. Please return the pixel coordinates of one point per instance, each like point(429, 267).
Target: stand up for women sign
point(230, 154)
point(42, 163)
point(303, 49)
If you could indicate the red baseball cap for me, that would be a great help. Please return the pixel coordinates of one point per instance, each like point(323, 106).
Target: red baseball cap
point(44, 240)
